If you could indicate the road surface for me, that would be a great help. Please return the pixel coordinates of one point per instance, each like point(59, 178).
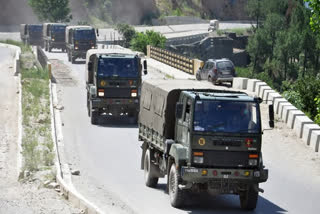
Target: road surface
point(108, 158)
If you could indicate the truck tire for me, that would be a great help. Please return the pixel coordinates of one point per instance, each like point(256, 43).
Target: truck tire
point(73, 59)
point(69, 58)
point(45, 46)
point(176, 195)
point(94, 117)
point(249, 198)
point(149, 179)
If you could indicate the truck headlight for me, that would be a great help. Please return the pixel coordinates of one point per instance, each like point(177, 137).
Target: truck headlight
point(134, 93)
point(253, 162)
point(198, 157)
point(101, 93)
point(76, 48)
point(92, 47)
point(52, 39)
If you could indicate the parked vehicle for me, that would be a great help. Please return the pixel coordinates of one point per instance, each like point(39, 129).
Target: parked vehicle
point(202, 139)
point(113, 82)
point(31, 34)
point(79, 39)
point(54, 36)
point(214, 25)
point(217, 71)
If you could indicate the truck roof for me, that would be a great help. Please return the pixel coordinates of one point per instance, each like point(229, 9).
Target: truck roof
point(79, 27)
point(116, 49)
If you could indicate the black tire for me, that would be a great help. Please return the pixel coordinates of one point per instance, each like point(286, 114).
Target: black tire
point(198, 77)
point(149, 179)
point(50, 49)
point(249, 198)
point(231, 83)
point(69, 59)
point(176, 195)
point(211, 80)
point(94, 117)
point(45, 46)
point(73, 59)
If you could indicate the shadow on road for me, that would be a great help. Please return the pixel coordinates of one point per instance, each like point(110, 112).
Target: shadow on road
point(206, 203)
point(117, 122)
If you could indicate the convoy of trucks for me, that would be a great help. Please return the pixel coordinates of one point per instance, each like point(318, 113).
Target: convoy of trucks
point(202, 139)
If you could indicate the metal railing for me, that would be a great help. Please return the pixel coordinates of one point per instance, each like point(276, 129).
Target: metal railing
point(175, 60)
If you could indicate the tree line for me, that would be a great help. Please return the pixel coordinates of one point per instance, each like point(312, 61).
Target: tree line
point(285, 51)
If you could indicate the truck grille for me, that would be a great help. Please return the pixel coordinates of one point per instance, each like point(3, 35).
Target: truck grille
point(225, 159)
point(117, 92)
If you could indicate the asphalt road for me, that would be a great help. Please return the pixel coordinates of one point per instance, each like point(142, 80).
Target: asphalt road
point(108, 158)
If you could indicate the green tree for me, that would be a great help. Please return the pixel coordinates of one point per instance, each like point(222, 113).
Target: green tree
point(51, 10)
point(128, 32)
point(254, 9)
point(315, 17)
point(150, 37)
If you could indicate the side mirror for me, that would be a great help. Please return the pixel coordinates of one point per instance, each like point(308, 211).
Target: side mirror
point(179, 108)
point(271, 116)
point(145, 70)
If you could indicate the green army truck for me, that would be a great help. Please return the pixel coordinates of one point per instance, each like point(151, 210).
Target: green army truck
point(54, 36)
point(202, 139)
point(80, 39)
point(113, 82)
point(31, 34)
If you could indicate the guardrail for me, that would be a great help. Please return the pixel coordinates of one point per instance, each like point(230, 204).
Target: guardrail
point(180, 62)
point(43, 60)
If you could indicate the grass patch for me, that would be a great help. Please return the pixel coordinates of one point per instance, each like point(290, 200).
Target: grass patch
point(238, 31)
point(24, 47)
point(37, 144)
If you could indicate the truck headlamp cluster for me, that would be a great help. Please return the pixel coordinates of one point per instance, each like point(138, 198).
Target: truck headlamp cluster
point(101, 93)
point(52, 39)
point(253, 162)
point(134, 93)
point(76, 48)
point(198, 157)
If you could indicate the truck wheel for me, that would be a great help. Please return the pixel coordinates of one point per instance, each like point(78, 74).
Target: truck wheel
point(94, 117)
point(249, 198)
point(150, 181)
point(68, 53)
point(50, 49)
point(73, 59)
point(45, 46)
point(176, 194)
point(198, 77)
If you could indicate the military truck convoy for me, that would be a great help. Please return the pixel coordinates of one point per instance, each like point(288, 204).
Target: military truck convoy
point(79, 39)
point(54, 36)
point(113, 81)
point(31, 34)
point(202, 139)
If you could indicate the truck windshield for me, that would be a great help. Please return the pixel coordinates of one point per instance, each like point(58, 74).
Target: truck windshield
point(85, 34)
point(117, 67)
point(226, 116)
point(58, 28)
point(35, 28)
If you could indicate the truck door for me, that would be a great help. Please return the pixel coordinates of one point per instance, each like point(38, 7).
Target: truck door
point(183, 129)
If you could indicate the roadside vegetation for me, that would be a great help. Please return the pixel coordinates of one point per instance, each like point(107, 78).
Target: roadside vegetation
point(138, 41)
point(285, 52)
point(37, 144)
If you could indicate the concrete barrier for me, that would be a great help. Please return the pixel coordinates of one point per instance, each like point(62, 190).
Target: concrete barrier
point(299, 124)
point(314, 140)
point(283, 105)
point(277, 102)
point(271, 96)
point(263, 92)
point(259, 85)
point(240, 83)
point(307, 130)
point(285, 112)
point(252, 84)
point(292, 117)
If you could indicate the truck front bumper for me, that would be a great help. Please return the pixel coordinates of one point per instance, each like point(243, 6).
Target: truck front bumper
point(130, 103)
point(208, 175)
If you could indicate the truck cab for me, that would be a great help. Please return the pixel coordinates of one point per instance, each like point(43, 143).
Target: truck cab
point(54, 36)
point(31, 34)
point(203, 139)
point(113, 82)
point(79, 39)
